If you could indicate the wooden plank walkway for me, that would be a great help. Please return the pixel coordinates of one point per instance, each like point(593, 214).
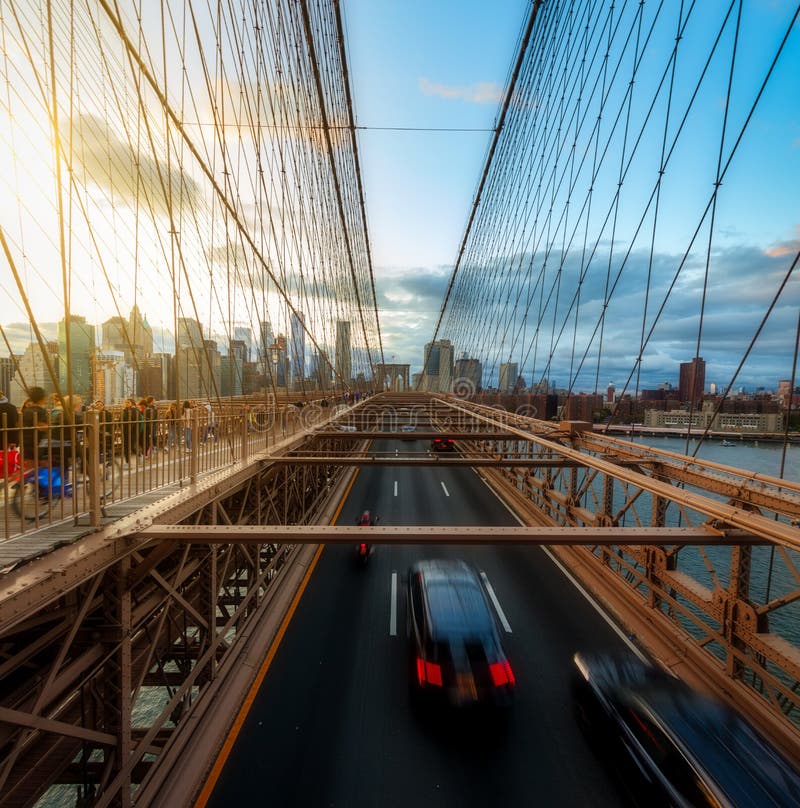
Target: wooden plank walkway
point(36, 543)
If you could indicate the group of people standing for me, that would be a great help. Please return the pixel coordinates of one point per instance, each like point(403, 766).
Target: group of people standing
point(51, 432)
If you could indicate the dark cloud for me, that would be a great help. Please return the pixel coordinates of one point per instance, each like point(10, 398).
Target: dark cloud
point(742, 282)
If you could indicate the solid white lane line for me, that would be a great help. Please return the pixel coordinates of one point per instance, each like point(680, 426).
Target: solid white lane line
point(444, 488)
point(496, 603)
point(592, 602)
point(595, 605)
point(395, 487)
point(393, 607)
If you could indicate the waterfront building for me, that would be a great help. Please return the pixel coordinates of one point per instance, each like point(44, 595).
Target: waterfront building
point(704, 418)
point(692, 380)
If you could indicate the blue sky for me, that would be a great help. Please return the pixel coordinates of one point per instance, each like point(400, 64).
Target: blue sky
point(421, 64)
point(444, 65)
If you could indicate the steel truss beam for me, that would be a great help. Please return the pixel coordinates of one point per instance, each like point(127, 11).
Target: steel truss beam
point(159, 602)
point(90, 634)
point(338, 534)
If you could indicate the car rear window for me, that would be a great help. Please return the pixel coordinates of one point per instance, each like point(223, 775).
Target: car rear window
point(458, 609)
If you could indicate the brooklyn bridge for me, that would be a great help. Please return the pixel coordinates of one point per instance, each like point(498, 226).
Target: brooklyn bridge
point(183, 620)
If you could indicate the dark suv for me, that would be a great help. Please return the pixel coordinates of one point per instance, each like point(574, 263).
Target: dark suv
point(455, 652)
point(672, 746)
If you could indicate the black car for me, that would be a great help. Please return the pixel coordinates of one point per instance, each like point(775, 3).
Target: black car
point(443, 445)
point(455, 652)
point(672, 746)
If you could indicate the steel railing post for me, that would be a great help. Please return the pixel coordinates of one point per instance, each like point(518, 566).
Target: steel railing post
point(93, 470)
point(194, 457)
point(243, 431)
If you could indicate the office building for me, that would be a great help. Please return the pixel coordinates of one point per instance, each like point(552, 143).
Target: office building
point(509, 371)
point(344, 367)
point(297, 347)
point(75, 368)
point(31, 371)
point(467, 375)
point(438, 367)
point(245, 335)
point(692, 380)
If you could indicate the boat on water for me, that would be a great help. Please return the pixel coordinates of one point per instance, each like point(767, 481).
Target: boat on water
point(727, 443)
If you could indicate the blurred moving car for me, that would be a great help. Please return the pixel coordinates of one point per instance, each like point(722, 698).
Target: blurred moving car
point(455, 651)
point(672, 746)
point(408, 430)
point(443, 445)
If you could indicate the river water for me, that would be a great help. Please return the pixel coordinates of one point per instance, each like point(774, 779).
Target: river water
point(773, 573)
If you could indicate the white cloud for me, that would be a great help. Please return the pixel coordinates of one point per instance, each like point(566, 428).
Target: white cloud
point(484, 92)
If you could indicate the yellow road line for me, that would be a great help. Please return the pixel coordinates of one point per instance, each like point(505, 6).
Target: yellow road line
point(230, 740)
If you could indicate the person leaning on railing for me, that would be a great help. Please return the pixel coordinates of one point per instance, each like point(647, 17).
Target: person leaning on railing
point(35, 425)
point(8, 422)
point(66, 433)
point(105, 420)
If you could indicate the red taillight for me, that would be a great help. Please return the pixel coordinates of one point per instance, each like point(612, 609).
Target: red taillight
point(428, 672)
point(433, 673)
point(362, 549)
point(501, 673)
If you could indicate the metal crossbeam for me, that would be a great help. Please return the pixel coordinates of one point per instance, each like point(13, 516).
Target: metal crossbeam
point(430, 460)
point(347, 534)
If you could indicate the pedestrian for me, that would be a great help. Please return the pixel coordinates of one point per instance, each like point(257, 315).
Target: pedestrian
point(8, 423)
point(130, 429)
point(66, 433)
point(210, 430)
point(151, 422)
point(170, 424)
point(34, 424)
point(186, 417)
point(105, 420)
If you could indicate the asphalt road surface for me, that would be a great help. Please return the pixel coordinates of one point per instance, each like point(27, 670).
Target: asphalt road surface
point(333, 724)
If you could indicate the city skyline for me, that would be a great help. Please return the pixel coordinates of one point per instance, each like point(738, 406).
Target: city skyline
point(110, 337)
point(426, 98)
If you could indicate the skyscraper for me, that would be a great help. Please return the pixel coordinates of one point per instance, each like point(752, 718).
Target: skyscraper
point(78, 364)
point(438, 367)
point(32, 370)
point(297, 347)
point(245, 335)
point(265, 339)
point(140, 334)
point(508, 377)
point(344, 367)
point(190, 333)
point(692, 380)
point(467, 375)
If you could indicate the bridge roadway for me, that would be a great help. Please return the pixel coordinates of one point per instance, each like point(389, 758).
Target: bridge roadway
point(332, 724)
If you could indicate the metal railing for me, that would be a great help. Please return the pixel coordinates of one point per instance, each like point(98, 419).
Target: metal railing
point(47, 468)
